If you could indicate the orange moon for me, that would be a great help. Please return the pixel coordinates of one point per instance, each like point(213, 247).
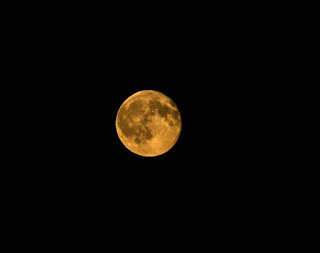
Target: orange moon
point(148, 123)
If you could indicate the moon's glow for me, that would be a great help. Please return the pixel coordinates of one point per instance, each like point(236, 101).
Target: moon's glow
point(148, 123)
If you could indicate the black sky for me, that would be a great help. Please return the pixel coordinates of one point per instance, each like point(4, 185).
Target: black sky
point(218, 72)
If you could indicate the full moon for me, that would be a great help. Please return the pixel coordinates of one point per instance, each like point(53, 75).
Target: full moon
point(148, 123)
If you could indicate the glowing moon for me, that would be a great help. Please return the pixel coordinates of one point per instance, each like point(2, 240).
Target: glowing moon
point(148, 123)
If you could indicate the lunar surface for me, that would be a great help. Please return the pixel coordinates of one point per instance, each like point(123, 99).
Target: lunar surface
point(148, 123)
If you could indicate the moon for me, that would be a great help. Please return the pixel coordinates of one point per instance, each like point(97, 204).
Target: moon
point(148, 123)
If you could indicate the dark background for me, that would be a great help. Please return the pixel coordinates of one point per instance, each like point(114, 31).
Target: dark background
point(217, 161)
point(218, 175)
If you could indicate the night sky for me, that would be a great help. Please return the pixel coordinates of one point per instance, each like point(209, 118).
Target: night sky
point(219, 72)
